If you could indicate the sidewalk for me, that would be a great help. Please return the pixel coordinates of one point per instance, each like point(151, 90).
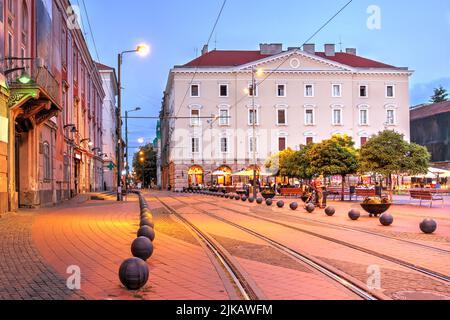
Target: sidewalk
point(37, 247)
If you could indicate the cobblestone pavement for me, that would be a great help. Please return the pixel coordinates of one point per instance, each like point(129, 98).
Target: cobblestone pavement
point(37, 247)
point(24, 273)
point(398, 282)
point(97, 237)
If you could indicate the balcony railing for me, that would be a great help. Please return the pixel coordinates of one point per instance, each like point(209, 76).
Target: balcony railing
point(39, 74)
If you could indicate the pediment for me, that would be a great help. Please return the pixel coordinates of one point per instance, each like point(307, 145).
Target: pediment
point(296, 61)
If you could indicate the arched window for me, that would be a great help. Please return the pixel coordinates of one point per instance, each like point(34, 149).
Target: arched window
point(46, 164)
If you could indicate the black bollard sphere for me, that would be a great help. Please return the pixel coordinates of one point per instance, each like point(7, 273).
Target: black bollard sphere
point(134, 273)
point(147, 222)
point(354, 214)
point(244, 198)
point(310, 208)
point(147, 216)
point(145, 211)
point(330, 211)
point(259, 200)
point(251, 199)
point(237, 198)
point(269, 202)
point(147, 232)
point(428, 226)
point(227, 196)
point(386, 219)
point(280, 204)
point(294, 206)
point(142, 248)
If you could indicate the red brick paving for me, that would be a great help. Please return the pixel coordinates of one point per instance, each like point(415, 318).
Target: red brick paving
point(97, 238)
point(345, 258)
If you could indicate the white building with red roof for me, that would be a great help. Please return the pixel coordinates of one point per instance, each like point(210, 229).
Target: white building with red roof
point(301, 96)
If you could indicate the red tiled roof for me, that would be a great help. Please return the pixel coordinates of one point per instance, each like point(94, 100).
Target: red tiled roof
point(354, 61)
point(226, 58)
point(430, 110)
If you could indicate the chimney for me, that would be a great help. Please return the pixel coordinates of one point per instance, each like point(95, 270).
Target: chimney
point(310, 48)
point(205, 49)
point(351, 51)
point(330, 50)
point(271, 48)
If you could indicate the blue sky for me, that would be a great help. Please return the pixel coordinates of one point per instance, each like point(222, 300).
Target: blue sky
point(414, 34)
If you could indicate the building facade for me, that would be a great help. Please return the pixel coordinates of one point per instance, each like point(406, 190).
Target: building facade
point(430, 127)
point(54, 109)
point(109, 120)
point(301, 96)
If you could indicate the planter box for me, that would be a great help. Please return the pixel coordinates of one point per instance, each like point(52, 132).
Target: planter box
point(376, 209)
point(268, 195)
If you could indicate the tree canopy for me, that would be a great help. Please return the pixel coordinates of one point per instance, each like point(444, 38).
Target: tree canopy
point(335, 156)
point(440, 95)
point(144, 164)
point(388, 153)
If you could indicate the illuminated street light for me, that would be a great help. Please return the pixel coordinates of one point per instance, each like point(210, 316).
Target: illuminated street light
point(141, 50)
point(141, 140)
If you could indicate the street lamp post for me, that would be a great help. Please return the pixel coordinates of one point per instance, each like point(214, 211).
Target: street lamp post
point(142, 50)
point(213, 119)
point(127, 167)
point(253, 92)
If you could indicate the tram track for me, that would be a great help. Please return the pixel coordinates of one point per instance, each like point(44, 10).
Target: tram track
point(353, 286)
point(408, 265)
point(343, 227)
point(242, 285)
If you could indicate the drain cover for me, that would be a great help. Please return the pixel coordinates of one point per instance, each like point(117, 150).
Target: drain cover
point(419, 295)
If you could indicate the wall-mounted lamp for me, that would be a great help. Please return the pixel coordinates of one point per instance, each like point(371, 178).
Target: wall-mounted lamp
point(74, 128)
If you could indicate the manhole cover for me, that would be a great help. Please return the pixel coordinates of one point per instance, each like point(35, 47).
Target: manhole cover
point(419, 295)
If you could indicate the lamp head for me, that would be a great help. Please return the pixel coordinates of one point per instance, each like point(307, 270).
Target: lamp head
point(24, 78)
point(143, 50)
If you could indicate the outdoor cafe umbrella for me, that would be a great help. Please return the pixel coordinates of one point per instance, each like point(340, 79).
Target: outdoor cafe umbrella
point(221, 173)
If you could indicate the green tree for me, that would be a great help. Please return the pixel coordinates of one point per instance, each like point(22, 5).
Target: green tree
point(440, 95)
point(277, 163)
point(336, 156)
point(389, 154)
point(297, 165)
point(144, 164)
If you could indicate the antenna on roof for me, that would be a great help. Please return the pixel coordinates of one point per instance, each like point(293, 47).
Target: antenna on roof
point(215, 41)
point(196, 52)
point(340, 42)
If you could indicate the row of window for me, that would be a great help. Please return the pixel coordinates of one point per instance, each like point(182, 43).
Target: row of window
point(253, 144)
point(309, 91)
point(282, 117)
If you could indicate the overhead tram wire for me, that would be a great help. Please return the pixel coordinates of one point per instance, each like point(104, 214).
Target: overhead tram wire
point(93, 38)
point(201, 57)
point(309, 39)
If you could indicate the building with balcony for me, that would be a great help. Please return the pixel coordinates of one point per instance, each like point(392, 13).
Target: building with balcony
point(214, 121)
point(54, 107)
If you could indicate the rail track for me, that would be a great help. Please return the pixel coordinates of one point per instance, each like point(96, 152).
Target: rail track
point(244, 288)
point(343, 227)
point(400, 262)
point(358, 289)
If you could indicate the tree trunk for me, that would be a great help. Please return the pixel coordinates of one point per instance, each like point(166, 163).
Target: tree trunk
point(391, 195)
point(343, 188)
